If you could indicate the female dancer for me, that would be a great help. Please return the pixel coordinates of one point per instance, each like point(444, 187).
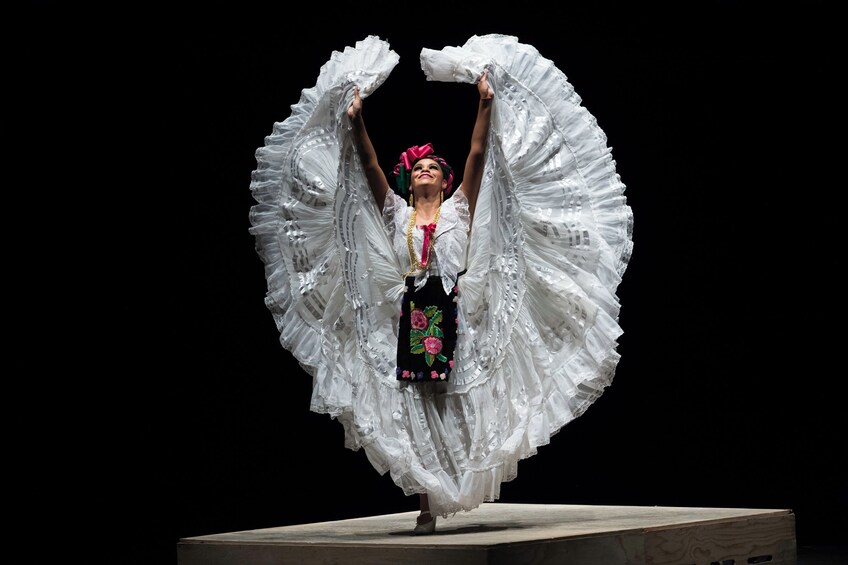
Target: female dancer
point(447, 355)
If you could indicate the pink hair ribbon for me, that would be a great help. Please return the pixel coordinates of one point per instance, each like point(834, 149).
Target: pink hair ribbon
point(412, 154)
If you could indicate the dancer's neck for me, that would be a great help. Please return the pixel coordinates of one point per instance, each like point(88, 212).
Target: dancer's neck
point(425, 211)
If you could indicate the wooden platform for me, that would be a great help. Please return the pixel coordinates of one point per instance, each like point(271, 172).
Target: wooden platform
point(511, 534)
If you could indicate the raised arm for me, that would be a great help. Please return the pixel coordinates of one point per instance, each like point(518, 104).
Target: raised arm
point(472, 176)
point(367, 155)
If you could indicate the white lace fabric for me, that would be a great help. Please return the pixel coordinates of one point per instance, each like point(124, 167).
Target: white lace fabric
point(451, 238)
point(538, 314)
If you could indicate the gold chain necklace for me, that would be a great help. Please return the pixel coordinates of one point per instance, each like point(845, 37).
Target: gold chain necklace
point(417, 265)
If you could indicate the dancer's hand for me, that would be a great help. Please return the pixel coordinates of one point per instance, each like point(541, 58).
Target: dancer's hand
point(355, 107)
point(486, 92)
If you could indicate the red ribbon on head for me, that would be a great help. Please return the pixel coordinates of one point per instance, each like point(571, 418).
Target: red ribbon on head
point(429, 230)
point(415, 152)
point(408, 157)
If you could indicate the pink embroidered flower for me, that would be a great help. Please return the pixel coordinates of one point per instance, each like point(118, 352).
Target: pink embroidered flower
point(418, 319)
point(432, 345)
point(450, 363)
point(405, 374)
point(434, 375)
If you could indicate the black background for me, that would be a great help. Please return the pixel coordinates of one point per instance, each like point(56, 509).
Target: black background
point(723, 124)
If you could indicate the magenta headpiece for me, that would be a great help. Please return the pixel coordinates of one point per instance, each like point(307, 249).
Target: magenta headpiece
point(409, 157)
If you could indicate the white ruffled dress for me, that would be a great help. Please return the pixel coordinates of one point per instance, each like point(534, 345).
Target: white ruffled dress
point(538, 313)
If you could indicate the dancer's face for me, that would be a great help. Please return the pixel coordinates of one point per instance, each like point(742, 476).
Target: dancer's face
point(427, 175)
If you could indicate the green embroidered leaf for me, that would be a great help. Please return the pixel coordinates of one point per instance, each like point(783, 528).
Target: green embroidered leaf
point(437, 331)
point(429, 358)
point(418, 349)
point(430, 310)
point(442, 358)
point(437, 319)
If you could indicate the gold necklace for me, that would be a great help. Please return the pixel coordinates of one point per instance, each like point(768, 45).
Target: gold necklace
point(417, 265)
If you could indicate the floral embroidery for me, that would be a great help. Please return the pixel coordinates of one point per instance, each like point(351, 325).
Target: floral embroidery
point(426, 335)
point(431, 328)
point(432, 345)
point(418, 319)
